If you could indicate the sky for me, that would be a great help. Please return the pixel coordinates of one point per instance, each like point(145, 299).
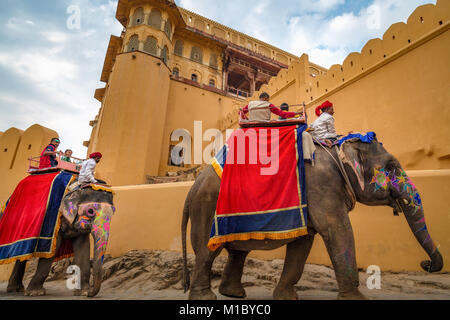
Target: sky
point(52, 51)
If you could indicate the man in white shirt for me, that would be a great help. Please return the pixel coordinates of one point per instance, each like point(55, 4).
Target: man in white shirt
point(88, 169)
point(323, 127)
point(261, 110)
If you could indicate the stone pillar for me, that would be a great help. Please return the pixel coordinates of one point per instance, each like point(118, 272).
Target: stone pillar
point(146, 17)
point(252, 78)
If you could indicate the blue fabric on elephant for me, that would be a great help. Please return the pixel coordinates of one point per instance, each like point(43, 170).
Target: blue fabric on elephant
point(367, 138)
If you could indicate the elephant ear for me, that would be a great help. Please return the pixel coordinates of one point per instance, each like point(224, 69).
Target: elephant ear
point(69, 208)
point(354, 162)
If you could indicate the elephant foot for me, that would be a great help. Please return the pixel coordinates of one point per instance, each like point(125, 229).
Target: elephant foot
point(15, 288)
point(286, 293)
point(205, 294)
point(80, 292)
point(353, 295)
point(234, 291)
point(35, 292)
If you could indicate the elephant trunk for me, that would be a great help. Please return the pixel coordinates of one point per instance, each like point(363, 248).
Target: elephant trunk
point(414, 214)
point(100, 233)
point(97, 267)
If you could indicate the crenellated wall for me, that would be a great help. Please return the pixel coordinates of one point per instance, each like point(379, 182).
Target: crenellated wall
point(16, 146)
point(397, 40)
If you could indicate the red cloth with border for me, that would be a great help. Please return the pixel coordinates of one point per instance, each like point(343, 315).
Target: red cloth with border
point(26, 216)
point(253, 192)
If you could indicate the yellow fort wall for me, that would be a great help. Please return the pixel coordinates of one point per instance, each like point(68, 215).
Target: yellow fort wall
point(147, 119)
point(186, 105)
point(129, 150)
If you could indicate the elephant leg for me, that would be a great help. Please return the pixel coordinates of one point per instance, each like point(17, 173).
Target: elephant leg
point(36, 285)
point(15, 281)
point(204, 258)
point(296, 254)
point(231, 285)
point(81, 248)
point(201, 275)
point(340, 245)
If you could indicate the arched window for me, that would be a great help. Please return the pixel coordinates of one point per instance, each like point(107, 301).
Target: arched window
point(168, 29)
point(165, 54)
point(176, 72)
point(213, 61)
point(212, 83)
point(194, 77)
point(197, 54)
point(150, 45)
point(133, 44)
point(138, 17)
point(179, 47)
point(155, 19)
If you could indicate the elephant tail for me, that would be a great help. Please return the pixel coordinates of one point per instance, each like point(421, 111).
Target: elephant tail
point(184, 222)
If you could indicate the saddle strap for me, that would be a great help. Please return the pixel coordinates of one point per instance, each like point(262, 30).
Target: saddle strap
point(340, 165)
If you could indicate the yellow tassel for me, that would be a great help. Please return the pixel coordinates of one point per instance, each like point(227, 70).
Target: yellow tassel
point(14, 259)
point(215, 242)
point(97, 187)
point(69, 255)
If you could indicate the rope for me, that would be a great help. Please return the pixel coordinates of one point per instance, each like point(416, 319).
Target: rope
point(341, 168)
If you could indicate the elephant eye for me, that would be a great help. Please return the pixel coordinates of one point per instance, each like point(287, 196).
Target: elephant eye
point(390, 165)
point(90, 212)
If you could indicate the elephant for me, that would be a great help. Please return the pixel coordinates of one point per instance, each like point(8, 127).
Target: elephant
point(376, 178)
point(84, 211)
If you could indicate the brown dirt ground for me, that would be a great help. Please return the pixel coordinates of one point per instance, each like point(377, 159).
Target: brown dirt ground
point(156, 275)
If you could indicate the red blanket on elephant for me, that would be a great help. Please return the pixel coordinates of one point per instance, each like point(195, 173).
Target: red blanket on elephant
point(30, 222)
point(262, 191)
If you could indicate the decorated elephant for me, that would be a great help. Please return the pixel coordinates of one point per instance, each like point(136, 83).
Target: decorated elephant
point(368, 174)
point(82, 212)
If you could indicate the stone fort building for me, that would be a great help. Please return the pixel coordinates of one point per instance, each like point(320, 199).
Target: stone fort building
point(168, 68)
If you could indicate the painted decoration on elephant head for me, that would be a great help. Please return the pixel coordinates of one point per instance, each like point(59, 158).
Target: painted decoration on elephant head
point(98, 216)
point(69, 211)
point(382, 179)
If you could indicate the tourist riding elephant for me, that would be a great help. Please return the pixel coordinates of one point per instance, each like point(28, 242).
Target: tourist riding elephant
point(84, 211)
point(376, 179)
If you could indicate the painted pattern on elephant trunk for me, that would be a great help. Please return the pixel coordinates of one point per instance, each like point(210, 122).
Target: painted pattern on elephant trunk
point(98, 216)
